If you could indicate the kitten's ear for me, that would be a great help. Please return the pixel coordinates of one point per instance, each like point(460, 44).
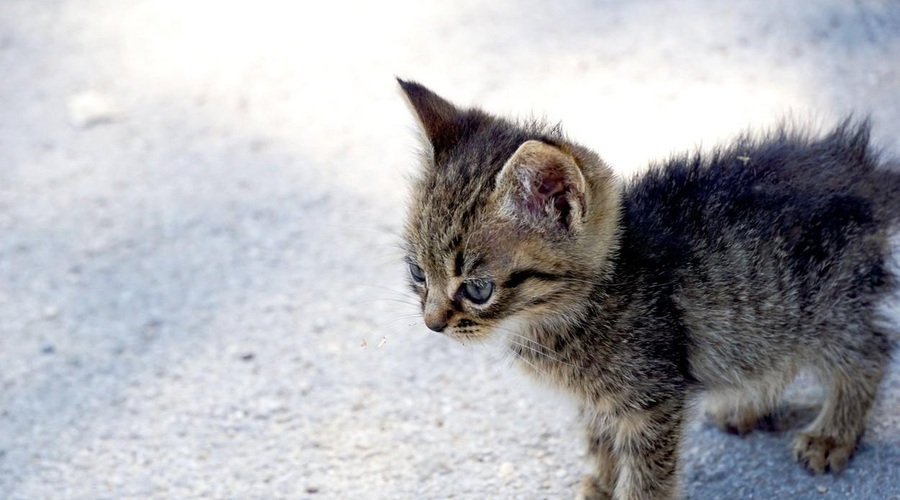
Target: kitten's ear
point(439, 118)
point(543, 186)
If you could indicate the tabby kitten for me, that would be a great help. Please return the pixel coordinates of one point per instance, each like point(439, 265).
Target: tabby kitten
point(724, 274)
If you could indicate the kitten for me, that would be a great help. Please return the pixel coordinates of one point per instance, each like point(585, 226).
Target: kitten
point(723, 274)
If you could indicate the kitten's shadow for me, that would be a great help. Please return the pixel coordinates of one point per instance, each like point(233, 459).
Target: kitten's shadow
point(760, 464)
point(786, 417)
point(790, 417)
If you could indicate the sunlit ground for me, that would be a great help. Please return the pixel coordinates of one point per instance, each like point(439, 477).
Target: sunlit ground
point(199, 203)
point(636, 81)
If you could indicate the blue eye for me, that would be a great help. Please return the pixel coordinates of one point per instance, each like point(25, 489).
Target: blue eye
point(418, 275)
point(478, 291)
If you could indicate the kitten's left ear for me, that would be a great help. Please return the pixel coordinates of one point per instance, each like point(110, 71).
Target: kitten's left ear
point(543, 186)
point(439, 118)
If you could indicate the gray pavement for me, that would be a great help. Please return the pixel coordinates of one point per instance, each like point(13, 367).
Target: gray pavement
point(201, 294)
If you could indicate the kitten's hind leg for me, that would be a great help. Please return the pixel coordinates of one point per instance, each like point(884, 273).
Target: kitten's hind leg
point(741, 411)
point(736, 414)
point(852, 381)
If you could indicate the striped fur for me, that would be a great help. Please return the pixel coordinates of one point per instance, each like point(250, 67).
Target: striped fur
point(723, 274)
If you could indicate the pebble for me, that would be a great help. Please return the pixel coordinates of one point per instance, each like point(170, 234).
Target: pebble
point(822, 489)
point(507, 469)
point(51, 312)
point(91, 108)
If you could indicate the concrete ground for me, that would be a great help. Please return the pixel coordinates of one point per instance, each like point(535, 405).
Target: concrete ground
point(200, 290)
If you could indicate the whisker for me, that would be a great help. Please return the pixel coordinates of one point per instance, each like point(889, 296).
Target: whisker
point(401, 317)
point(372, 229)
point(501, 358)
point(531, 344)
point(385, 251)
point(381, 328)
point(382, 287)
point(545, 350)
point(529, 363)
point(541, 353)
point(520, 336)
point(388, 299)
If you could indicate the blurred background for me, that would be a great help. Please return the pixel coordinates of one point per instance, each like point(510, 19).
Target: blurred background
point(201, 293)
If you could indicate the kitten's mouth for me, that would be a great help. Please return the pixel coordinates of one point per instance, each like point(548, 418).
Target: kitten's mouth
point(460, 335)
point(465, 335)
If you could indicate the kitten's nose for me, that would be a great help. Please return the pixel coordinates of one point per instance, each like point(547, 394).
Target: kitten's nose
point(436, 324)
point(435, 319)
point(436, 311)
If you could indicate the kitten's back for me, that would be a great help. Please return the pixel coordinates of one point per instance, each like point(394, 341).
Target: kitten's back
point(764, 242)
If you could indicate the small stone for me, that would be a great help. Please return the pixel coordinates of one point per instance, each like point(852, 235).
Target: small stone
point(822, 489)
point(151, 327)
point(312, 489)
point(363, 443)
point(48, 349)
point(507, 470)
point(248, 356)
point(51, 312)
point(91, 108)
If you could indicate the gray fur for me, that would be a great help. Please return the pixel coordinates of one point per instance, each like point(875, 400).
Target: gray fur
point(722, 274)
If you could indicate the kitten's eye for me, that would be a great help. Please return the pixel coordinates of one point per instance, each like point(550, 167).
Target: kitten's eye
point(478, 291)
point(418, 275)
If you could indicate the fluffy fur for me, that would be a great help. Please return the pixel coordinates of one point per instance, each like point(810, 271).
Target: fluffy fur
point(724, 274)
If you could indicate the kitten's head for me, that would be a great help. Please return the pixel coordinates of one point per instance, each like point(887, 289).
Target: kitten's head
point(508, 223)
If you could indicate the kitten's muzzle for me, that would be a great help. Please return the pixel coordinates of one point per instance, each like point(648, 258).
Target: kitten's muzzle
point(435, 318)
point(436, 323)
point(435, 313)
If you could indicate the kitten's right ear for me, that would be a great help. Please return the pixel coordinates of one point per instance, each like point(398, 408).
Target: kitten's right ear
point(439, 118)
point(542, 186)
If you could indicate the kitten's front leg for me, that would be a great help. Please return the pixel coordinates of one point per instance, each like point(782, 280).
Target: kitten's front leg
point(647, 446)
point(600, 483)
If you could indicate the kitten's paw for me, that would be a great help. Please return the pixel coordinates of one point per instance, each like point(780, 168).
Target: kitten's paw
point(820, 453)
point(591, 490)
point(738, 422)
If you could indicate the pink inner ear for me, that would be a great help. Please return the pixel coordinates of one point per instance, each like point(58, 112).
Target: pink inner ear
point(550, 192)
point(551, 185)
